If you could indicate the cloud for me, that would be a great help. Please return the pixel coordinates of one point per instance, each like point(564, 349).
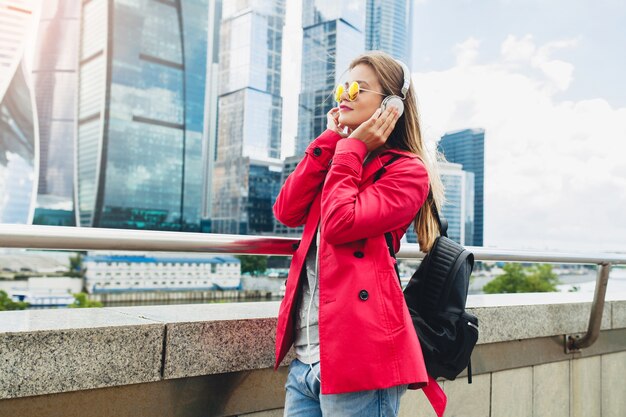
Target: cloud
point(523, 51)
point(554, 178)
point(467, 52)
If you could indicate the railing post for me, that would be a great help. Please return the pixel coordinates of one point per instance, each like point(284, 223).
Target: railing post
point(573, 343)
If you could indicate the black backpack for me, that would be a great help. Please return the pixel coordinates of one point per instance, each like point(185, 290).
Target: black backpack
point(436, 296)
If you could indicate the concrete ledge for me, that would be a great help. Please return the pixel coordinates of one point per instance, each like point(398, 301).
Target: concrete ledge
point(205, 339)
point(505, 317)
point(49, 351)
point(54, 351)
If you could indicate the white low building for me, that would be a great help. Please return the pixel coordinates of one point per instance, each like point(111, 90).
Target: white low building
point(117, 273)
point(46, 291)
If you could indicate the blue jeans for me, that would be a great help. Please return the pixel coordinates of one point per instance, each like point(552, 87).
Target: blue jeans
point(303, 397)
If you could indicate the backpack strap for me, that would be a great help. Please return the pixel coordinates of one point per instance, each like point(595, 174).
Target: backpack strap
point(382, 169)
point(389, 240)
point(388, 236)
point(442, 223)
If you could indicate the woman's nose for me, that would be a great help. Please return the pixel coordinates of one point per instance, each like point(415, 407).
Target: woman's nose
point(345, 96)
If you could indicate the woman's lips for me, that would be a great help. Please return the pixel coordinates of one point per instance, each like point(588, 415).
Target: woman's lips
point(344, 108)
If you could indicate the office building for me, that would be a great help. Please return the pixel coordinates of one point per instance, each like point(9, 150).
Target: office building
point(141, 114)
point(333, 35)
point(247, 170)
point(467, 147)
point(18, 120)
point(16, 18)
point(289, 165)
point(209, 148)
point(54, 77)
point(458, 209)
point(388, 27)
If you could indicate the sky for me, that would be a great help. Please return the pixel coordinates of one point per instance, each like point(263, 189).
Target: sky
point(544, 79)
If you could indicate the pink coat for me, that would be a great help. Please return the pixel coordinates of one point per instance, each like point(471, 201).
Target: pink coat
point(367, 339)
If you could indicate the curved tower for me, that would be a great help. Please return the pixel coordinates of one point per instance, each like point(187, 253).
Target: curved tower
point(18, 121)
point(142, 71)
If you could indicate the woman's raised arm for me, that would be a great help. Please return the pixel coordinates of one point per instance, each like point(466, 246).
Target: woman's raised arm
point(303, 184)
point(389, 203)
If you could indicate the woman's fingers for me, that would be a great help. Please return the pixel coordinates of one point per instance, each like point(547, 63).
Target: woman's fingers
point(376, 130)
point(390, 127)
point(384, 115)
point(332, 118)
point(388, 123)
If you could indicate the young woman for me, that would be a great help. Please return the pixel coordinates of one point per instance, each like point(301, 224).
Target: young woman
point(344, 312)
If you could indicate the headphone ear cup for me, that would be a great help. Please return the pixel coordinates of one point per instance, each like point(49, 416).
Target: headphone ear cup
point(393, 101)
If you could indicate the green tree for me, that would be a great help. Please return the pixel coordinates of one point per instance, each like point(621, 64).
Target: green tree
point(76, 267)
point(253, 264)
point(7, 304)
point(517, 279)
point(541, 279)
point(81, 301)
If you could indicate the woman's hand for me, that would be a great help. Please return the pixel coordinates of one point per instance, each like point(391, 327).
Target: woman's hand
point(375, 131)
point(332, 118)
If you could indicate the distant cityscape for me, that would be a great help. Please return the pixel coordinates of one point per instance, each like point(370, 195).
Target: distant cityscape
point(167, 114)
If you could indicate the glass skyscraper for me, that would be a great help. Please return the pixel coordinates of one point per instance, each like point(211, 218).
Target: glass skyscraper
point(18, 149)
point(248, 167)
point(18, 121)
point(388, 27)
point(209, 149)
point(289, 165)
point(467, 147)
point(459, 207)
point(15, 20)
point(141, 99)
point(54, 81)
point(333, 35)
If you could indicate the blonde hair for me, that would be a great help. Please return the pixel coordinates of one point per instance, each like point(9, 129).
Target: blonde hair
point(407, 136)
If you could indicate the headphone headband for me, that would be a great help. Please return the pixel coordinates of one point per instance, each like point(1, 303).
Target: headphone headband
point(407, 78)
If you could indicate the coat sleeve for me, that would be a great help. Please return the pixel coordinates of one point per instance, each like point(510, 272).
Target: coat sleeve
point(303, 184)
point(386, 205)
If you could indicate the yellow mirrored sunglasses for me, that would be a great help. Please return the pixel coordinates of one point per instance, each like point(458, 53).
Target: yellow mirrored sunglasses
point(353, 91)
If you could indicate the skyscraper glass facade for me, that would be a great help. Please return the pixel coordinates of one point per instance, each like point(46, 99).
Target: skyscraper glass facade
point(459, 206)
point(247, 167)
point(387, 27)
point(467, 147)
point(468, 217)
point(15, 20)
point(18, 150)
point(333, 35)
point(141, 113)
point(289, 165)
point(54, 81)
point(18, 121)
point(209, 150)
point(451, 211)
point(458, 209)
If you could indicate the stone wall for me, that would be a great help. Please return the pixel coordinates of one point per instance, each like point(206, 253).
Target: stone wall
point(215, 360)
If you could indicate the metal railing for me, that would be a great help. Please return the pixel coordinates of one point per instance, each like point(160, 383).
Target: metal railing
point(78, 238)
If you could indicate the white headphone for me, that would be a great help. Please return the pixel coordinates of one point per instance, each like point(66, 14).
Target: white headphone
point(397, 101)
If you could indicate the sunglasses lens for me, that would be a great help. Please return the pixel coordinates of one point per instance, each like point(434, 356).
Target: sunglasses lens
point(353, 91)
point(339, 92)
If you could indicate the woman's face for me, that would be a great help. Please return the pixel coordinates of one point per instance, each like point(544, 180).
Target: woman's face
point(353, 113)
